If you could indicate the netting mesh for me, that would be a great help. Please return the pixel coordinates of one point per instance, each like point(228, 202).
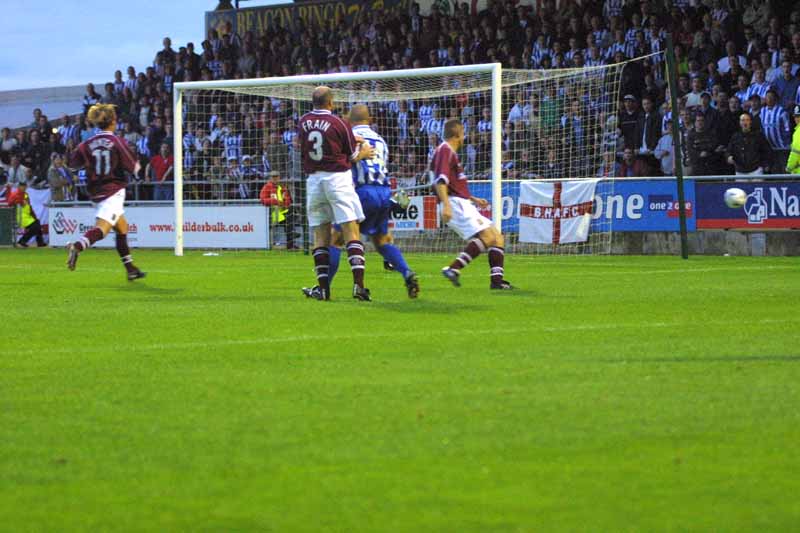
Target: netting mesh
point(556, 124)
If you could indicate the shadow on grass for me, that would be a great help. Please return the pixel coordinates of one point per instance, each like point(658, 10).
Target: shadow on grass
point(426, 306)
point(708, 359)
point(144, 288)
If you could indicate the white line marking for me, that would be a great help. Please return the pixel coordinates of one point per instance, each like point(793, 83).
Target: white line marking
point(216, 343)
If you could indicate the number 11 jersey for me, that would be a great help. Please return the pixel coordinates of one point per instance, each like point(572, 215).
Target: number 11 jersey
point(107, 161)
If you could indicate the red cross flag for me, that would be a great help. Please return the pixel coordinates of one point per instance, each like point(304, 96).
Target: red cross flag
point(555, 212)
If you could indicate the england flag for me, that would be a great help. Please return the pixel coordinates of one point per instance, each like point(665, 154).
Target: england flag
point(556, 212)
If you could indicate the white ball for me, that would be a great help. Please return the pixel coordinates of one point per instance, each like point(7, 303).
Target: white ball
point(735, 198)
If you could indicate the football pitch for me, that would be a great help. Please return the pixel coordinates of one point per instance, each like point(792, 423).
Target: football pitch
point(605, 394)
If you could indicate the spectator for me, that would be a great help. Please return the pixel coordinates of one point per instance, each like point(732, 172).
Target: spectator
point(759, 86)
point(631, 166)
point(694, 98)
point(711, 115)
point(60, 179)
point(67, 130)
point(748, 150)
point(777, 129)
point(166, 56)
point(648, 127)
point(610, 166)
point(16, 172)
point(37, 156)
point(786, 85)
point(665, 150)
point(701, 145)
point(629, 121)
point(727, 118)
point(162, 166)
point(37, 113)
point(7, 144)
point(276, 196)
point(26, 217)
point(551, 168)
point(90, 98)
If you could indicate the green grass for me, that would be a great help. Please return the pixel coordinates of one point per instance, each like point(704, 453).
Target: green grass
point(607, 394)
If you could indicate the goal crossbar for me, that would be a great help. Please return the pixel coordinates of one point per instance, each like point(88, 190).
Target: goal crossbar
point(494, 69)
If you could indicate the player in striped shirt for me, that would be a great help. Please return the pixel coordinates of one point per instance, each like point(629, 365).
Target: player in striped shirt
point(371, 181)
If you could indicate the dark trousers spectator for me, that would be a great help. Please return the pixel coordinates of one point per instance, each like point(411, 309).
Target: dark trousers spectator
point(287, 224)
point(33, 230)
point(163, 192)
point(779, 159)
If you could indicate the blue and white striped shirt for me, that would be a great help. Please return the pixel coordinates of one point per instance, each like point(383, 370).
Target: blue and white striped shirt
point(569, 54)
point(426, 111)
point(613, 8)
point(612, 50)
point(132, 84)
point(402, 125)
point(484, 126)
point(233, 146)
point(776, 127)
point(599, 62)
point(142, 148)
point(538, 54)
point(371, 171)
point(432, 125)
point(601, 37)
point(67, 132)
point(288, 138)
point(630, 35)
point(758, 88)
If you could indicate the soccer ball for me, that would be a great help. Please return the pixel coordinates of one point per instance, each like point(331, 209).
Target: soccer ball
point(735, 198)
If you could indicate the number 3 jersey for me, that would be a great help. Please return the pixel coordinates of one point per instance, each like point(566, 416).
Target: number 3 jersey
point(107, 162)
point(327, 142)
point(371, 171)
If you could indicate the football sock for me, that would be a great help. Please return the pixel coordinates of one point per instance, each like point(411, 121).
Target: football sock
point(335, 253)
point(321, 267)
point(473, 250)
point(392, 254)
point(89, 238)
point(124, 252)
point(355, 255)
point(496, 258)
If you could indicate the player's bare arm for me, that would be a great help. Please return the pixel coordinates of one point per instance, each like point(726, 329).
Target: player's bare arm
point(441, 192)
point(480, 202)
point(365, 151)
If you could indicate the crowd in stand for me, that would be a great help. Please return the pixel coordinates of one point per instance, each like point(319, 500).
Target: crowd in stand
point(734, 58)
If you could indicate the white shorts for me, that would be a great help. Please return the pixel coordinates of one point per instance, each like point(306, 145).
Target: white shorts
point(466, 221)
point(112, 208)
point(331, 198)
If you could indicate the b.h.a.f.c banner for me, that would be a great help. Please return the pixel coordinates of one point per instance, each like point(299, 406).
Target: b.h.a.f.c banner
point(555, 212)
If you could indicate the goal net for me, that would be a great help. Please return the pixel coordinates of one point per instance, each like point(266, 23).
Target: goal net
point(234, 136)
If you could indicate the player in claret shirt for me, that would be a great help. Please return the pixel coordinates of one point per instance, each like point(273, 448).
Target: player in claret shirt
point(329, 149)
point(459, 211)
point(108, 162)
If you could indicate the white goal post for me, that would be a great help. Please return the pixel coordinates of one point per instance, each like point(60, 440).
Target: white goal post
point(494, 70)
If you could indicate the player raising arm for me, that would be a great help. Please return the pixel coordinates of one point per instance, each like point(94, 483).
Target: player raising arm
point(459, 211)
point(108, 162)
point(329, 148)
